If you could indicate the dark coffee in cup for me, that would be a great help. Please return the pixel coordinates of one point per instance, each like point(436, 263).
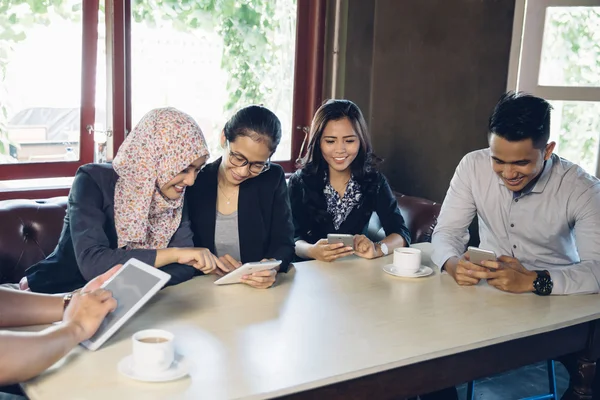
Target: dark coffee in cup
point(153, 340)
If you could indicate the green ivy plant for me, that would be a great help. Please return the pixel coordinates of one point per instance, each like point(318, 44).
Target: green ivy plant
point(244, 25)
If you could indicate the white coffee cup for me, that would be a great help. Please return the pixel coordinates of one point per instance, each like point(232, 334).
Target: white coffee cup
point(407, 259)
point(153, 351)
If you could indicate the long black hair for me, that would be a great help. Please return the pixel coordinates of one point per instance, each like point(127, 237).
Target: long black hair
point(334, 110)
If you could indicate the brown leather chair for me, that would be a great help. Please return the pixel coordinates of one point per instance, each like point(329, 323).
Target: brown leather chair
point(419, 214)
point(30, 229)
point(29, 232)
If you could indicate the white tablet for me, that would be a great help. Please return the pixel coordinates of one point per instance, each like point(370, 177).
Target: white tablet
point(133, 285)
point(235, 276)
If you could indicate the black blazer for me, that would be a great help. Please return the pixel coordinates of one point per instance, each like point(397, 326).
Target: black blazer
point(312, 222)
point(88, 242)
point(265, 222)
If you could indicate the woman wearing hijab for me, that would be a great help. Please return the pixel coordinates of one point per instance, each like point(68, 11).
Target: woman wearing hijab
point(132, 208)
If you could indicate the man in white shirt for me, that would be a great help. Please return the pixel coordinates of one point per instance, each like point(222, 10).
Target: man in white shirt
point(538, 212)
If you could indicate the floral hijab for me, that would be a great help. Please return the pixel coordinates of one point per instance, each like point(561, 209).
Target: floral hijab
point(164, 143)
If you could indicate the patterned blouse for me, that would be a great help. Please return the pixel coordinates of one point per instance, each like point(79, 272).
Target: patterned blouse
point(340, 208)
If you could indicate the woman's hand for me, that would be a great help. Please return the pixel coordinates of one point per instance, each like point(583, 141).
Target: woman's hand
point(229, 262)
point(201, 259)
point(262, 279)
point(24, 284)
point(323, 251)
point(365, 248)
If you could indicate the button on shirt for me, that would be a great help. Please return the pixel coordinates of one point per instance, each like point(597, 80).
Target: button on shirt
point(554, 226)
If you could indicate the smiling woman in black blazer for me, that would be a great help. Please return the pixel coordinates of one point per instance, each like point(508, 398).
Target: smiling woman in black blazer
point(339, 187)
point(239, 207)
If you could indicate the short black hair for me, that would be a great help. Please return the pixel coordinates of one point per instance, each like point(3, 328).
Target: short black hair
point(258, 123)
point(520, 116)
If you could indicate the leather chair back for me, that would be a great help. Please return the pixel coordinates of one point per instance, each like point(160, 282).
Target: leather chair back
point(29, 233)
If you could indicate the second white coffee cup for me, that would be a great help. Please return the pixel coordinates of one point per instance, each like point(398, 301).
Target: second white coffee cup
point(153, 351)
point(407, 259)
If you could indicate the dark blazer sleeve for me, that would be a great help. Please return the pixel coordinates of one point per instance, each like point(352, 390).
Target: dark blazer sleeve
point(183, 237)
point(87, 220)
point(281, 242)
point(300, 215)
point(388, 212)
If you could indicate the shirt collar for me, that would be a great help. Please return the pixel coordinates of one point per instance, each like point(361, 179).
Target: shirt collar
point(544, 177)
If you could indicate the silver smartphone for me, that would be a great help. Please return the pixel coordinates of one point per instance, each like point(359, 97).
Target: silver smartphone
point(348, 240)
point(477, 255)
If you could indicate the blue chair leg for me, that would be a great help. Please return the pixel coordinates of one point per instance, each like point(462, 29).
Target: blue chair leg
point(470, 387)
point(551, 384)
point(552, 379)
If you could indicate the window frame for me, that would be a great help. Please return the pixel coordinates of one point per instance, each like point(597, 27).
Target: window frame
point(89, 26)
point(307, 91)
point(308, 72)
point(526, 53)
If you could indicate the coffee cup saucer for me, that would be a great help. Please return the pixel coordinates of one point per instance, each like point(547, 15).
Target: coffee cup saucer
point(179, 369)
point(421, 272)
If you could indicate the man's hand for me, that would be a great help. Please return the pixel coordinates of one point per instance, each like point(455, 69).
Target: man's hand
point(87, 310)
point(509, 275)
point(98, 281)
point(464, 272)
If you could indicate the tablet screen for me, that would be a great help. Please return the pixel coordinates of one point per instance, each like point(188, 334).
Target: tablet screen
point(128, 287)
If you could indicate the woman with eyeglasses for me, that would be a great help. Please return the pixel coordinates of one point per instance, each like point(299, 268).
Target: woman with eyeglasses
point(239, 207)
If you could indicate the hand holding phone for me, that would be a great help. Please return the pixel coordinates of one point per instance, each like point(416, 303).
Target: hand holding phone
point(347, 240)
point(477, 255)
point(334, 247)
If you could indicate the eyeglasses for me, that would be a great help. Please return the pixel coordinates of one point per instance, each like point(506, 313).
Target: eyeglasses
point(255, 168)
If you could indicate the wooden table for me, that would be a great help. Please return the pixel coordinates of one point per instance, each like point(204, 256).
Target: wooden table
point(344, 329)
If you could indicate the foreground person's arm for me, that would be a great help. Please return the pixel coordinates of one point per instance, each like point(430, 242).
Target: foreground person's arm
point(24, 355)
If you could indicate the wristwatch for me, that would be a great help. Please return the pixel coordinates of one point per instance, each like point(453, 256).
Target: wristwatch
point(383, 247)
point(543, 283)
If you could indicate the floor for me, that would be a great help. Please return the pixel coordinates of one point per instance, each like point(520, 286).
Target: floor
point(521, 383)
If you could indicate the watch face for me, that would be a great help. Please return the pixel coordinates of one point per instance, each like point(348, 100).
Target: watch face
point(384, 249)
point(543, 284)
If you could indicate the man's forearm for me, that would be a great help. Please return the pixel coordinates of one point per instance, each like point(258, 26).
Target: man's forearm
point(450, 265)
point(25, 308)
point(446, 247)
point(24, 355)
